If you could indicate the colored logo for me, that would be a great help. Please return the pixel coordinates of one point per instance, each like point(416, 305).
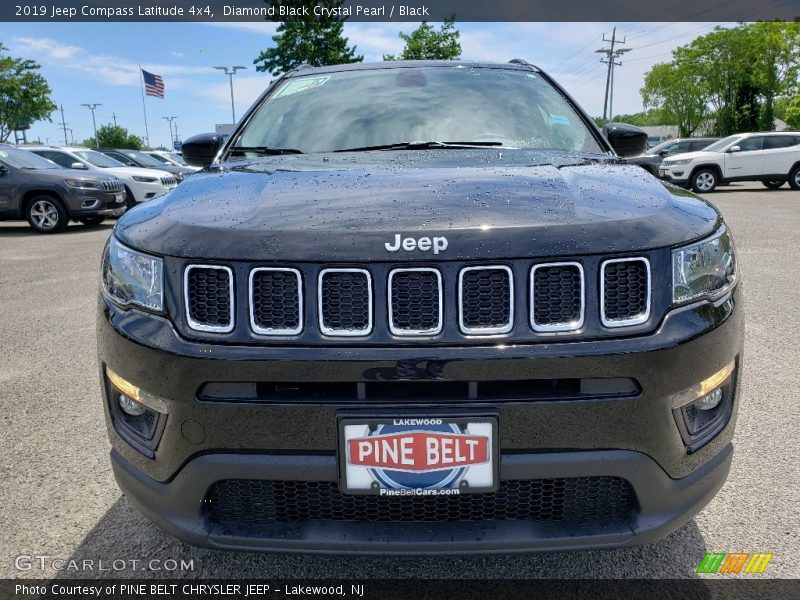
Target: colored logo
point(427, 457)
point(734, 562)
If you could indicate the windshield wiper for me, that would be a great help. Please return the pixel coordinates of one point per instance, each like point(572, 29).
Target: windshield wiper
point(263, 150)
point(421, 146)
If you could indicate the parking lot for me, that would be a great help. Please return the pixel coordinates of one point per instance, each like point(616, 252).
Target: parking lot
point(59, 497)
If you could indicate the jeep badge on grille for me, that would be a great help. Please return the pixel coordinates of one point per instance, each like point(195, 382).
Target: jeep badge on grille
point(409, 244)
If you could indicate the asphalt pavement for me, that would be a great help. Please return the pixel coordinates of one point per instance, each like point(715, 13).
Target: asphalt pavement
point(59, 498)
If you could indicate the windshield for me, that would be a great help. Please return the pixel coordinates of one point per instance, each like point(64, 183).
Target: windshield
point(720, 144)
point(142, 158)
point(98, 159)
point(22, 159)
point(176, 158)
point(358, 109)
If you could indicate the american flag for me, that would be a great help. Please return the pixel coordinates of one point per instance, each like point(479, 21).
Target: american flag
point(153, 84)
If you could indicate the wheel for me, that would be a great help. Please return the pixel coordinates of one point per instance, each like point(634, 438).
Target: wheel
point(46, 214)
point(794, 178)
point(704, 181)
point(773, 184)
point(92, 221)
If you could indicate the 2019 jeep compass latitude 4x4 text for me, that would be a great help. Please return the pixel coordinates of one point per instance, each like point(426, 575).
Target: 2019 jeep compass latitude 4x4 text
point(420, 308)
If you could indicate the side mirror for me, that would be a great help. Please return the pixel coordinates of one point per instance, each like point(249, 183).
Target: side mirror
point(78, 165)
point(626, 140)
point(201, 150)
point(735, 149)
point(662, 153)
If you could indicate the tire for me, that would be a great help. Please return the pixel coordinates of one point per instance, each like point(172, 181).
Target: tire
point(773, 184)
point(704, 180)
point(92, 221)
point(794, 178)
point(46, 214)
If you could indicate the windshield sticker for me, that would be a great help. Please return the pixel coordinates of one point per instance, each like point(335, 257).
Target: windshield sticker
point(296, 86)
point(559, 119)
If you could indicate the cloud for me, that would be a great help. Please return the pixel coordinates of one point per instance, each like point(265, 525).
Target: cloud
point(176, 54)
point(106, 68)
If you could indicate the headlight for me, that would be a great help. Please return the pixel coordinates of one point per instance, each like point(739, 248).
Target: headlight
point(130, 277)
point(704, 270)
point(141, 179)
point(680, 161)
point(80, 183)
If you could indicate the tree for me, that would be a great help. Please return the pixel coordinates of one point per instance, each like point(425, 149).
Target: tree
point(425, 43)
point(317, 41)
point(114, 136)
point(677, 90)
point(791, 112)
point(24, 95)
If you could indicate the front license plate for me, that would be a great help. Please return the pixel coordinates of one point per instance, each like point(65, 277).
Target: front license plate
point(418, 456)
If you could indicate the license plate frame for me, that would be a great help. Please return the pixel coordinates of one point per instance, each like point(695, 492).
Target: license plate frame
point(468, 426)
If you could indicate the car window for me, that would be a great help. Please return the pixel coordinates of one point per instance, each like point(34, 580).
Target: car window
point(720, 145)
point(98, 159)
point(679, 147)
point(57, 157)
point(375, 107)
point(773, 142)
point(160, 159)
point(121, 158)
point(750, 144)
point(699, 145)
point(141, 158)
point(23, 159)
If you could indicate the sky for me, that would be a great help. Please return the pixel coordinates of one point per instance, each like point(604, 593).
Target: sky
point(98, 63)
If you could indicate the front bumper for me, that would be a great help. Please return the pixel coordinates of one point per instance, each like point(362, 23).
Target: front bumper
point(679, 176)
point(634, 437)
point(96, 203)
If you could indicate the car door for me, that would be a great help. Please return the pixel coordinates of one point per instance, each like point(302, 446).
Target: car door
point(748, 161)
point(6, 188)
point(781, 152)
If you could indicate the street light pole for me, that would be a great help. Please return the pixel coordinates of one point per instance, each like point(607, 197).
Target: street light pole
point(91, 107)
point(230, 72)
point(171, 137)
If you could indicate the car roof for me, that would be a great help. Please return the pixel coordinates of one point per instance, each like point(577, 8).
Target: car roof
point(303, 70)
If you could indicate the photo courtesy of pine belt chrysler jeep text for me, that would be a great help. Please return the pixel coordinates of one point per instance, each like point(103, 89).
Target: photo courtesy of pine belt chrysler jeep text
point(420, 308)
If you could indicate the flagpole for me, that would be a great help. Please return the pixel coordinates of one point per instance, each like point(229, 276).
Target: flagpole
point(144, 107)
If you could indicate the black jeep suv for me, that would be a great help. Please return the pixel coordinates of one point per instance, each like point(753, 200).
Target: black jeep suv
point(420, 308)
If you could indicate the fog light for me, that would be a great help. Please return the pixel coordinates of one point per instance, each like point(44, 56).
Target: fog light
point(130, 406)
point(707, 387)
point(710, 401)
point(135, 393)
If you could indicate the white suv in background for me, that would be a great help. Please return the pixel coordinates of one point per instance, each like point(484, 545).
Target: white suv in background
point(772, 158)
point(140, 184)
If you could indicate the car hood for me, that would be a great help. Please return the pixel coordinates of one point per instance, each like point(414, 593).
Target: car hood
point(348, 206)
point(128, 172)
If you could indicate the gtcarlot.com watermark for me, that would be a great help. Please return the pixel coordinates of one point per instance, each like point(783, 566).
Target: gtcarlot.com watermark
point(42, 562)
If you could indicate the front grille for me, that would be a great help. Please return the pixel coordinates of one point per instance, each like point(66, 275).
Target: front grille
point(415, 302)
point(486, 300)
point(572, 499)
point(345, 302)
point(208, 293)
point(168, 181)
point(557, 297)
point(276, 301)
point(625, 294)
point(112, 185)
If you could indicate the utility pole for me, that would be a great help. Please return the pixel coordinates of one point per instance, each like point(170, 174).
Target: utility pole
point(64, 125)
point(72, 138)
point(114, 115)
point(171, 137)
point(230, 73)
point(612, 54)
point(91, 107)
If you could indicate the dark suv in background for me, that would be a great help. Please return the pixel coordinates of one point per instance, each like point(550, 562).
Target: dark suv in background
point(651, 160)
point(420, 307)
point(48, 196)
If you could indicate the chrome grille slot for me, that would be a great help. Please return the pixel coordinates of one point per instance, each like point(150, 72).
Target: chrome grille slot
point(345, 302)
point(276, 301)
point(557, 297)
point(486, 300)
point(415, 301)
point(208, 294)
point(625, 291)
